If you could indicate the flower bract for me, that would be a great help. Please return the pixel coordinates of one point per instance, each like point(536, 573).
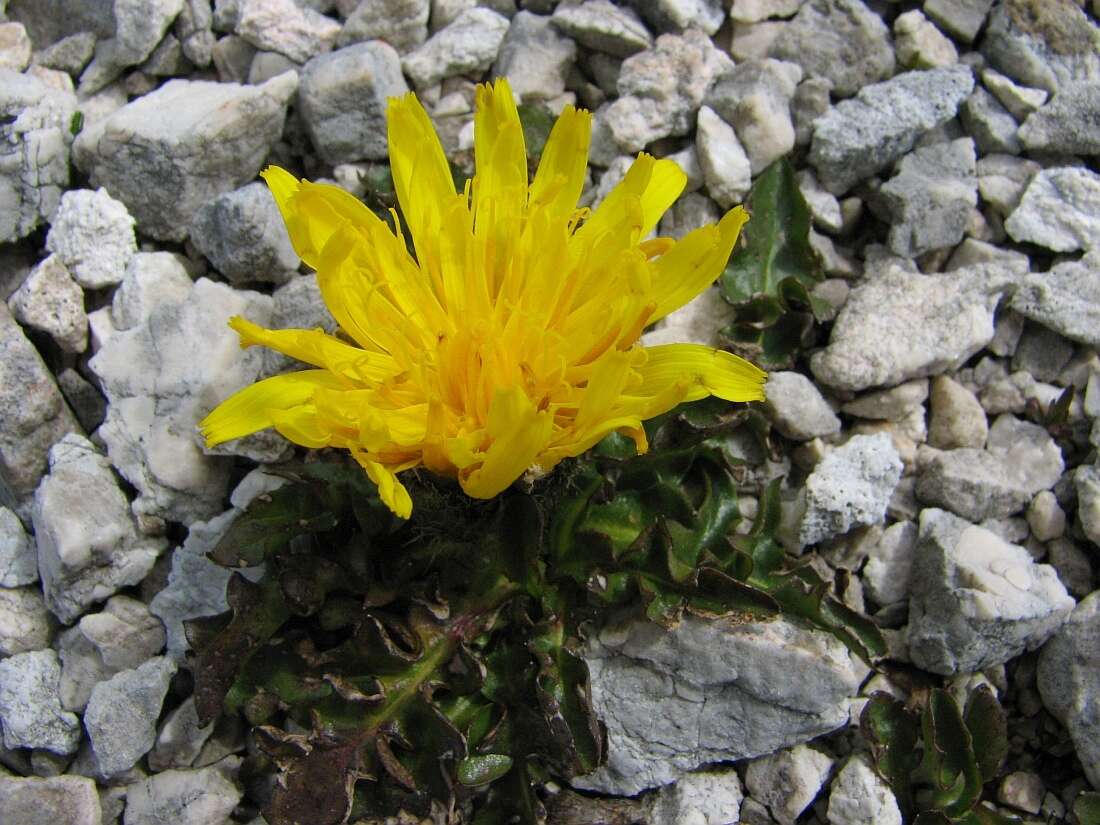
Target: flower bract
point(501, 333)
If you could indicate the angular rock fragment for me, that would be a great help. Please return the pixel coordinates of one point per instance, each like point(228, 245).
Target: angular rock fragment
point(88, 546)
point(196, 797)
point(535, 57)
point(1068, 678)
point(1065, 124)
point(755, 98)
point(138, 28)
point(173, 150)
point(402, 24)
point(859, 137)
point(33, 415)
point(977, 600)
point(30, 709)
point(343, 97)
point(1060, 210)
point(48, 801)
point(286, 27)
point(797, 408)
point(243, 235)
point(850, 487)
point(469, 45)
point(901, 325)
point(1066, 299)
point(50, 301)
point(192, 361)
point(122, 712)
point(841, 40)
point(788, 781)
point(930, 198)
point(671, 698)
point(25, 622)
point(35, 135)
point(604, 27)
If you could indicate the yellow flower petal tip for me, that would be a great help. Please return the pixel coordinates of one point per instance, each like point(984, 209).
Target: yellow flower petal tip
point(501, 335)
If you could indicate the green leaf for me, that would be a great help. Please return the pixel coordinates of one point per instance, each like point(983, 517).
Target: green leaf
point(777, 243)
point(258, 612)
point(269, 524)
point(988, 726)
point(891, 730)
point(949, 755)
point(1086, 807)
point(483, 768)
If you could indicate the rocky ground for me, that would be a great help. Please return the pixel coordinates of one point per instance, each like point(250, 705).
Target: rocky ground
point(946, 149)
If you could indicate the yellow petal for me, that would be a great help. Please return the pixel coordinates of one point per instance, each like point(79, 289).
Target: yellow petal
point(519, 434)
point(704, 370)
point(500, 157)
point(653, 184)
point(695, 262)
point(252, 409)
point(390, 490)
point(421, 176)
point(560, 177)
point(316, 347)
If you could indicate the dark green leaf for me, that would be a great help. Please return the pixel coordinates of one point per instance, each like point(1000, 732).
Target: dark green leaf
point(1086, 807)
point(988, 726)
point(891, 731)
point(777, 243)
point(483, 769)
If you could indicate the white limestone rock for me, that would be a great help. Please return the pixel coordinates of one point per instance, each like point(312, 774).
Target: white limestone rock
point(671, 698)
point(535, 57)
point(850, 487)
point(1066, 299)
point(15, 47)
point(977, 600)
point(797, 408)
point(788, 781)
point(193, 797)
point(602, 26)
point(151, 280)
point(841, 40)
point(1044, 51)
point(956, 416)
point(343, 98)
point(1060, 210)
point(33, 415)
point(663, 87)
point(196, 586)
point(901, 325)
point(754, 97)
point(138, 29)
point(1021, 101)
point(51, 800)
point(18, 557)
point(35, 136)
point(469, 45)
point(30, 708)
point(864, 135)
point(708, 797)
point(1068, 678)
point(402, 24)
point(25, 623)
point(88, 545)
point(859, 796)
point(930, 199)
point(92, 234)
point(192, 361)
point(121, 715)
point(1086, 481)
point(120, 637)
point(727, 169)
point(180, 738)
point(169, 152)
point(920, 45)
point(50, 301)
point(1062, 125)
point(961, 19)
point(890, 563)
point(244, 237)
point(286, 27)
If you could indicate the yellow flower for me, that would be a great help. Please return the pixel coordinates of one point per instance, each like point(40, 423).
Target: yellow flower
point(509, 340)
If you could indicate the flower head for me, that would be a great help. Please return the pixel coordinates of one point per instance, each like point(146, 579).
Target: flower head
point(506, 338)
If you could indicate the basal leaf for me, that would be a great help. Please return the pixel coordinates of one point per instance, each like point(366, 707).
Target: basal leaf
point(988, 725)
point(777, 243)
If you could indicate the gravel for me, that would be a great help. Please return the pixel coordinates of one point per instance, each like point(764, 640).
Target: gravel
point(946, 150)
